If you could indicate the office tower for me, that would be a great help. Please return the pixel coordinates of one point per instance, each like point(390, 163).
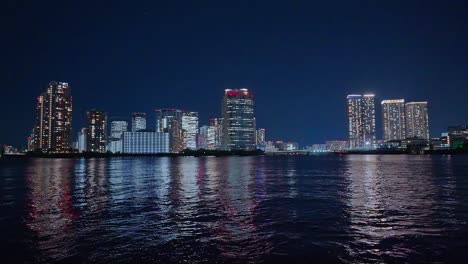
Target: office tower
point(207, 137)
point(170, 121)
point(138, 121)
point(81, 146)
point(417, 120)
point(52, 131)
point(145, 142)
point(190, 129)
point(217, 123)
point(361, 116)
point(393, 118)
point(118, 127)
point(238, 120)
point(261, 137)
point(96, 138)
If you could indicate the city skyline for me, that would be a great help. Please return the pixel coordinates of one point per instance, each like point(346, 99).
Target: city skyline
point(131, 58)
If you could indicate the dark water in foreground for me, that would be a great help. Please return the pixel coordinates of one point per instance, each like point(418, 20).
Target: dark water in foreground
point(235, 209)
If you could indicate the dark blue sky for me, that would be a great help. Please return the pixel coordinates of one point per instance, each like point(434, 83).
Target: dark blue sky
point(300, 58)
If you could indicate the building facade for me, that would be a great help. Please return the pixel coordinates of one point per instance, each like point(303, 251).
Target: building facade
point(217, 123)
point(417, 120)
point(261, 137)
point(238, 120)
point(81, 142)
point(96, 138)
point(118, 127)
point(138, 121)
point(457, 136)
point(190, 130)
point(170, 121)
point(207, 137)
point(145, 142)
point(53, 128)
point(361, 121)
point(393, 119)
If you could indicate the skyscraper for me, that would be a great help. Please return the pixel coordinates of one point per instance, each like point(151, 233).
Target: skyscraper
point(190, 129)
point(238, 120)
point(361, 116)
point(82, 139)
point(96, 139)
point(393, 118)
point(217, 123)
point(52, 131)
point(170, 121)
point(261, 137)
point(207, 137)
point(417, 120)
point(138, 121)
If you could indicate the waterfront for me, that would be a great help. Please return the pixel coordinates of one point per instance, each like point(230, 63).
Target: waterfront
point(350, 208)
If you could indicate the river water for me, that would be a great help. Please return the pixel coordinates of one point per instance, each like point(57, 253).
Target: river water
point(348, 209)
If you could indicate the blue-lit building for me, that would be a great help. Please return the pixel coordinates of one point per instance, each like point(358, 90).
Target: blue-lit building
point(145, 142)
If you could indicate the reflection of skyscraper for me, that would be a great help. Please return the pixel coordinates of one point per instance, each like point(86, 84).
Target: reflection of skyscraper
point(190, 129)
point(52, 131)
point(393, 118)
point(97, 128)
point(170, 121)
point(138, 121)
point(417, 120)
point(238, 120)
point(361, 116)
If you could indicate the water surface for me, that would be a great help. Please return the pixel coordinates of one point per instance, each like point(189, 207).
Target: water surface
point(353, 208)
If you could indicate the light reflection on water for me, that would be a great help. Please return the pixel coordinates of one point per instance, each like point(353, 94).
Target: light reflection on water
point(331, 208)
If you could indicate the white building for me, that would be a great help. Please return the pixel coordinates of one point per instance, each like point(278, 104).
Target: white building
point(138, 121)
point(145, 142)
point(190, 130)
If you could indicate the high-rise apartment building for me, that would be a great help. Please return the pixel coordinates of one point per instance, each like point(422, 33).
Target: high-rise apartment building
point(393, 119)
point(190, 129)
point(417, 120)
point(53, 131)
point(361, 116)
point(96, 139)
point(170, 121)
point(138, 121)
point(238, 120)
point(81, 142)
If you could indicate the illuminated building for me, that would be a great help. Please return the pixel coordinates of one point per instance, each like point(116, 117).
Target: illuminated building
point(336, 145)
point(457, 136)
point(96, 138)
point(261, 137)
point(52, 132)
point(393, 118)
point(81, 142)
point(145, 142)
point(170, 121)
point(361, 117)
point(190, 129)
point(217, 123)
point(417, 120)
point(138, 121)
point(118, 127)
point(207, 137)
point(238, 120)
point(286, 146)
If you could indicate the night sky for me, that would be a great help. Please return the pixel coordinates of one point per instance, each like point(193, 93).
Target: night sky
point(300, 59)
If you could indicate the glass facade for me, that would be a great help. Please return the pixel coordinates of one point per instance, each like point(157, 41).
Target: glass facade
point(138, 121)
point(190, 130)
point(238, 120)
point(170, 121)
